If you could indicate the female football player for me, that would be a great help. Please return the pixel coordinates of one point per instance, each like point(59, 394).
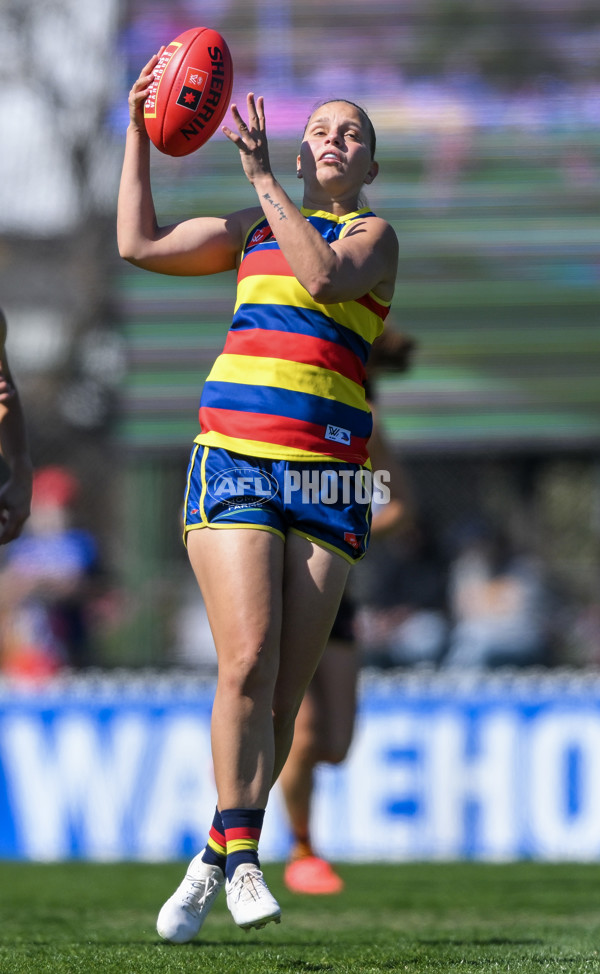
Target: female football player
point(277, 496)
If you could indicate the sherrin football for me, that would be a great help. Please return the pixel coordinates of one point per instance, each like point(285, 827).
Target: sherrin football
point(190, 92)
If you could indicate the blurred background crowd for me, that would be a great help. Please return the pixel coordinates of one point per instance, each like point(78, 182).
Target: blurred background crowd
point(487, 114)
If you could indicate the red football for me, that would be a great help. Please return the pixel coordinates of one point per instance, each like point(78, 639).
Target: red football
point(190, 92)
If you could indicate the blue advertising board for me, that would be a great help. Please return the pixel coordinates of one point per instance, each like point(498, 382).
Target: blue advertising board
point(491, 768)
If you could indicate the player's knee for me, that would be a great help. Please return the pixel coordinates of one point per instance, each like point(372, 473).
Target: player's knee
point(249, 671)
point(334, 753)
point(335, 742)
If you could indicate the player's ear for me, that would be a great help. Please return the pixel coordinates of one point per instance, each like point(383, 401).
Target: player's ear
point(298, 167)
point(373, 170)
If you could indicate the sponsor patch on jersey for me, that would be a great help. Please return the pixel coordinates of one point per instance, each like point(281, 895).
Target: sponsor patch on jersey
point(337, 433)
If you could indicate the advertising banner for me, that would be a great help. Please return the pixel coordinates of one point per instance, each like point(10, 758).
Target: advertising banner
point(495, 768)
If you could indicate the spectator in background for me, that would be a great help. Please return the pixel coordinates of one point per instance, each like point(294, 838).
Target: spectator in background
point(402, 619)
point(45, 584)
point(15, 493)
point(498, 602)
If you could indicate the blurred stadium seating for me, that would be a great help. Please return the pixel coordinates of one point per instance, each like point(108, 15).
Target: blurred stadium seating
point(487, 119)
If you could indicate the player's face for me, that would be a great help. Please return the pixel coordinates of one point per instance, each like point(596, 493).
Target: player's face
point(336, 148)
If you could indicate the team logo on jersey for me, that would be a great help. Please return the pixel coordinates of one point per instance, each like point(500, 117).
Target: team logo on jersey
point(259, 236)
point(193, 86)
point(337, 434)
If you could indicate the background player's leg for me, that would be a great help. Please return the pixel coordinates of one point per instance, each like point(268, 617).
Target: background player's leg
point(314, 581)
point(323, 732)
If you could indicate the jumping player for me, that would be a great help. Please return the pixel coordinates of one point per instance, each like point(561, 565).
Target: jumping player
point(284, 426)
point(15, 493)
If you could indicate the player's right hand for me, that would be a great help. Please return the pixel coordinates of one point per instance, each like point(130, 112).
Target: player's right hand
point(139, 93)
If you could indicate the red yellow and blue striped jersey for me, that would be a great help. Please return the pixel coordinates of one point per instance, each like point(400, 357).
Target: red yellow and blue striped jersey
point(289, 383)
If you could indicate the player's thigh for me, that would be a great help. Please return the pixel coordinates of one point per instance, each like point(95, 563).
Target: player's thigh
point(239, 572)
point(314, 581)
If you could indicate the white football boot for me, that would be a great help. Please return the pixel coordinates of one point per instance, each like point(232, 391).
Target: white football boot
point(183, 914)
point(249, 900)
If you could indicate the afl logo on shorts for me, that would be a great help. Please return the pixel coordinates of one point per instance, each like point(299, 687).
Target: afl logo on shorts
point(242, 486)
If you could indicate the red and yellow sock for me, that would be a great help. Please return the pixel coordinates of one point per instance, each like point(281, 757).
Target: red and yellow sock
point(242, 828)
point(215, 852)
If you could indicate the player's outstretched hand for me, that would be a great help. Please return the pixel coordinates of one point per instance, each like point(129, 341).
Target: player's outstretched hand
point(251, 139)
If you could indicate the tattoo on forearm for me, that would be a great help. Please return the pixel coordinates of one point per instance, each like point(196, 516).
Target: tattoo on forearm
point(277, 206)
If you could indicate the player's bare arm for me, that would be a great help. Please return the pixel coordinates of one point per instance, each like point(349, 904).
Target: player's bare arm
point(205, 245)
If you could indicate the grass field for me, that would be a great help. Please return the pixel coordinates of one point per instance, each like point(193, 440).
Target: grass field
point(466, 917)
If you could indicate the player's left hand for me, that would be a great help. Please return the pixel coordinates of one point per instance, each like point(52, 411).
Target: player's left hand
point(251, 139)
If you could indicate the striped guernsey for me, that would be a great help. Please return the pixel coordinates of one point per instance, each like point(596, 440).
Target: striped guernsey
point(289, 382)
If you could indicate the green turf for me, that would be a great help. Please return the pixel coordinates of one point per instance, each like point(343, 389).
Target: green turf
point(464, 917)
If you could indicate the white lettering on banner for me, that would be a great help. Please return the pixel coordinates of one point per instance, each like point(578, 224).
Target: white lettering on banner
point(181, 795)
point(472, 790)
point(426, 778)
point(564, 816)
point(382, 789)
point(416, 789)
point(65, 781)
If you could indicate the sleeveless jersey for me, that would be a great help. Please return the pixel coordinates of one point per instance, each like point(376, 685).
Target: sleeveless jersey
point(289, 382)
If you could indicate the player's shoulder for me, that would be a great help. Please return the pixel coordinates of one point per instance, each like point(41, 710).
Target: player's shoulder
point(375, 225)
point(382, 227)
point(385, 238)
point(375, 234)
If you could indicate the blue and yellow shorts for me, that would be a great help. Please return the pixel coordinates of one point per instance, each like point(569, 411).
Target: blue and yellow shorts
point(327, 502)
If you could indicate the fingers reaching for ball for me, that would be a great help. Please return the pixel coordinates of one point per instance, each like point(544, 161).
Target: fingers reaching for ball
point(256, 113)
point(251, 138)
point(255, 130)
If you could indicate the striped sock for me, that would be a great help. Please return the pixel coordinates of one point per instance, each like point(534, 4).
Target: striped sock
point(242, 828)
point(215, 852)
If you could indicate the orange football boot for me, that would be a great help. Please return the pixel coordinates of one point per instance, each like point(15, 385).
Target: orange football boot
point(312, 876)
